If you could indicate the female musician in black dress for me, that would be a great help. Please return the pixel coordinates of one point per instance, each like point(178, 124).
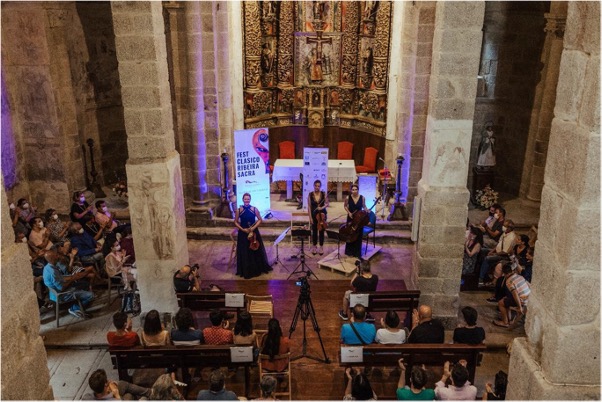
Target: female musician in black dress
point(354, 202)
point(318, 202)
point(249, 262)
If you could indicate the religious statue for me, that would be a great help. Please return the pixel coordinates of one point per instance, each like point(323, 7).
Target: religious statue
point(318, 10)
point(369, 9)
point(486, 152)
point(314, 66)
point(367, 61)
point(267, 58)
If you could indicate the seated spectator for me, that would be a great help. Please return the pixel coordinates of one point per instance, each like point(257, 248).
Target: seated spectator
point(123, 336)
point(104, 389)
point(499, 392)
point(69, 264)
point(217, 389)
point(358, 386)
point(273, 344)
point(493, 230)
point(425, 328)
point(417, 389)
point(390, 333)
point(186, 279)
point(104, 217)
point(22, 216)
point(517, 295)
point(500, 282)
point(503, 249)
point(58, 229)
point(470, 333)
point(243, 330)
point(268, 387)
point(358, 332)
point(185, 333)
point(53, 279)
point(526, 270)
point(472, 248)
point(153, 333)
point(116, 264)
point(81, 211)
point(127, 243)
point(519, 252)
point(39, 237)
point(164, 389)
point(88, 250)
point(460, 388)
point(218, 333)
point(362, 281)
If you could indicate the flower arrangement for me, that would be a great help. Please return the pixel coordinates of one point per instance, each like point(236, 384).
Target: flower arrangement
point(486, 197)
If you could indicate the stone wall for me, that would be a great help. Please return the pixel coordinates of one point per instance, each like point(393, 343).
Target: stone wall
point(560, 358)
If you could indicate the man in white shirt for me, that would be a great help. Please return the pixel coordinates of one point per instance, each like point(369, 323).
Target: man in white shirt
point(503, 248)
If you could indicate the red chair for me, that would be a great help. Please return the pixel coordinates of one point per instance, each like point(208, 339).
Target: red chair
point(345, 150)
point(287, 150)
point(369, 165)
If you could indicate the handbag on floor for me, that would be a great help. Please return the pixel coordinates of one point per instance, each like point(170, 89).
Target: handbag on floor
point(130, 304)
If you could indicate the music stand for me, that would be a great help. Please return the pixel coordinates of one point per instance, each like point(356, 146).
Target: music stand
point(335, 236)
point(302, 267)
point(276, 242)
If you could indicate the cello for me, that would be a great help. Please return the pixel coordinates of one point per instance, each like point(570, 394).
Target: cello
point(349, 231)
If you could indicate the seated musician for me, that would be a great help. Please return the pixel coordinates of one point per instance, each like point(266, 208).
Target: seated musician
point(353, 203)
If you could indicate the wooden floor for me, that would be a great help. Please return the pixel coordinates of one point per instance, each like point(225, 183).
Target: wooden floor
point(312, 380)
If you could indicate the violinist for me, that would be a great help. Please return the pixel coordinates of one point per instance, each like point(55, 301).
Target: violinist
point(353, 203)
point(318, 202)
point(251, 258)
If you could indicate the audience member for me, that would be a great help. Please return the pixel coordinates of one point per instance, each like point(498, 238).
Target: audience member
point(500, 283)
point(499, 392)
point(39, 237)
point(218, 334)
point(519, 252)
point(185, 333)
point(243, 330)
point(470, 333)
point(417, 390)
point(88, 250)
point(123, 336)
point(58, 229)
point(104, 217)
point(23, 213)
point(69, 264)
point(517, 295)
point(390, 333)
point(472, 248)
point(153, 332)
point(81, 211)
point(164, 389)
point(491, 234)
point(273, 344)
point(526, 270)
point(460, 388)
point(217, 389)
point(53, 279)
point(127, 243)
point(425, 328)
point(186, 279)
point(358, 386)
point(358, 332)
point(362, 281)
point(116, 263)
point(504, 247)
point(267, 386)
point(106, 390)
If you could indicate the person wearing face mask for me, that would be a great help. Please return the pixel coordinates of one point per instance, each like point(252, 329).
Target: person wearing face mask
point(116, 263)
point(88, 250)
point(81, 211)
point(22, 216)
point(58, 229)
point(104, 217)
point(504, 247)
point(492, 233)
point(39, 238)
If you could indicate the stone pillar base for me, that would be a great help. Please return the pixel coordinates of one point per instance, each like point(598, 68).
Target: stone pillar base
point(527, 381)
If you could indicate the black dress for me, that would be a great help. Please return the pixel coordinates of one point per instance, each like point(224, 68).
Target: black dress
point(249, 263)
point(354, 249)
point(313, 204)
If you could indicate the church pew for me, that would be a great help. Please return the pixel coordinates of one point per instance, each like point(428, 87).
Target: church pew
point(179, 357)
point(205, 301)
point(403, 301)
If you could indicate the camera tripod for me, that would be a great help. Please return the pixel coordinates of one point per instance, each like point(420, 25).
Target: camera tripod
point(305, 309)
point(302, 267)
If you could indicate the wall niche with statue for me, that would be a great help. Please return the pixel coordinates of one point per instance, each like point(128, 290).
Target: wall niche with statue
point(316, 64)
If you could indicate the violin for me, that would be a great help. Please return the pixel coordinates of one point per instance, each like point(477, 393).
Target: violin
point(321, 218)
point(253, 242)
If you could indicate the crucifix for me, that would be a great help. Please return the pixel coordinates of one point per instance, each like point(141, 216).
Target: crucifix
point(316, 55)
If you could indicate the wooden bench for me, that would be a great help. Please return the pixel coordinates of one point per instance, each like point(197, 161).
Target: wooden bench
point(205, 301)
point(434, 354)
point(178, 357)
point(398, 300)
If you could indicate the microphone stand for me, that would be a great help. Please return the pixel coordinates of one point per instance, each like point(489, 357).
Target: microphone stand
point(384, 196)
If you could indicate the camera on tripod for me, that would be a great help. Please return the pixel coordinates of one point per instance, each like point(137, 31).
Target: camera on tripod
point(303, 281)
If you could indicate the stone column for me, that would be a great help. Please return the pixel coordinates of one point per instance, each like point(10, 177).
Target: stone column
point(542, 116)
point(24, 365)
point(453, 85)
point(560, 358)
point(153, 168)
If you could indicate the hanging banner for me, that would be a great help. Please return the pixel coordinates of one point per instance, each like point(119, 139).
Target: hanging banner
point(252, 166)
point(315, 167)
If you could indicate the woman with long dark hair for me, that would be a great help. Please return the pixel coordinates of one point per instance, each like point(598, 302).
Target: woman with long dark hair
point(472, 247)
point(153, 333)
point(353, 203)
point(317, 204)
point(272, 344)
point(251, 258)
point(243, 330)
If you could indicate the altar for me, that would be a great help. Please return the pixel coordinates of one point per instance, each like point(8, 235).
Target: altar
point(289, 170)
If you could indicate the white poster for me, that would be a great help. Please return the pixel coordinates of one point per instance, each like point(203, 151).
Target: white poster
point(252, 167)
point(315, 167)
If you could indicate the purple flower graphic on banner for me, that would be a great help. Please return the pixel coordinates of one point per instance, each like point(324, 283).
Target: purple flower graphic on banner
point(261, 146)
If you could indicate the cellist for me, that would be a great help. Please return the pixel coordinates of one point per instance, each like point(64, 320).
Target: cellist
point(318, 202)
point(353, 203)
